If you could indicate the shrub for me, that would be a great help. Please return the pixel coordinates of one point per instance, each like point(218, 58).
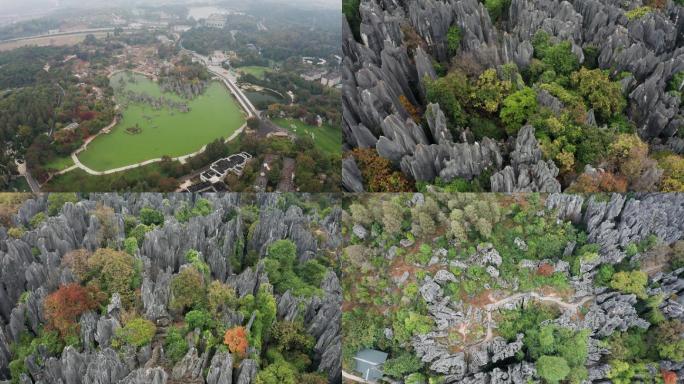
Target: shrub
point(139, 233)
point(57, 200)
point(131, 245)
point(175, 346)
point(220, 296)
point(517, 108)
point(236, 340)
point(149, 216)
point(451, 92)
point(195, 259)
point(553, 369)
point(37, 219)
point(187, 289)
point(496, 8)
point(454, 39)
point(377, 172)
point(630, 282)
point(291, 336)
point(16, 232)
point(137, 332)
point(198, 319)
point(403, 365)
point(603, 95)
point(116, 272)
point(280, 372)
point(63, 308)
point(638, 12)
point(77, 261)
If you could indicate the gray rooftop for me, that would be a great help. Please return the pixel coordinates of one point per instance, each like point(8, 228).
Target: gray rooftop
point(369, 363)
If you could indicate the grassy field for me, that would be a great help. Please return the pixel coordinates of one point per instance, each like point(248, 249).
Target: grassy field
point(165, 132)
point(327, 138)
point(60, 163)
point(253, 70)
point(61, 40)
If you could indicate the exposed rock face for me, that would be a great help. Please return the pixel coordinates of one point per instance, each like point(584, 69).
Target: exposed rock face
point(190, 366)
point(379, 69)
point(527, 172)
point(221, 369)
point(616, 223)
point(613, 311)
point(352, 181)
point(33, 264)
point(146, 376)
point(246, 372)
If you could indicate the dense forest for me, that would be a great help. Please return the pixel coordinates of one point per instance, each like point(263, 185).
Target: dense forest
point(249, 295)
point(301, 33)
point(520, 288)
point(520, 102)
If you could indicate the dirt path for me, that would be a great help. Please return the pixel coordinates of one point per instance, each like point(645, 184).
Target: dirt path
point(571, 306)
point(286, 183)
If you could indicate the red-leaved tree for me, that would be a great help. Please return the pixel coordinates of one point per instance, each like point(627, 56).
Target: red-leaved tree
point(236, 340)
point(64, 307)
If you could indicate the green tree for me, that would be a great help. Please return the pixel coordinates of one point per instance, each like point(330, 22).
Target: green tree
point(451, 92)
point(115, 272)
point(402, 365)
point(552, 369)
point(131, 245)
point(496, 8)
point(603, 95)
point(517, 108)
point(198, 318)
point(280, 372)
point(220, 296)
point(187, 290)
point(149, 216)
point(137, 332)
point(57, 200)
point(454, 39)
point(175, 346)
point(630, 282)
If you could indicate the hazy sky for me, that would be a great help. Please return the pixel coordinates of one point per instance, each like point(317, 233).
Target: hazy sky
point(30, 7)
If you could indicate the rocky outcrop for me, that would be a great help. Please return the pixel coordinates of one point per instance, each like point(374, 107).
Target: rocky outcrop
point(352, 181)
point(246, 372)
point(221, 369)
point(527, 172)
point(613, 312)
point(147, 376)
point(399, 40)
point(31, 268)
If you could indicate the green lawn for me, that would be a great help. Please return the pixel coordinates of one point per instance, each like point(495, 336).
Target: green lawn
point(254, 70)
point(327, 138)
point(165, 132)
point(59, 164)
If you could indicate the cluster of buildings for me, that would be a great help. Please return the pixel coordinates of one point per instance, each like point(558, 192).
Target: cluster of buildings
point(325, 77)
point(216, 20)
point(220, 168)
point(211, 180)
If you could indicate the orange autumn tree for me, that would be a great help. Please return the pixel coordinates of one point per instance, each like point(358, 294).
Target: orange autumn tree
point(64, 307)
point(236, 340)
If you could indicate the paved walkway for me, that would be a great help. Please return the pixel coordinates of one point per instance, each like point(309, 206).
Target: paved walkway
point(351, 377)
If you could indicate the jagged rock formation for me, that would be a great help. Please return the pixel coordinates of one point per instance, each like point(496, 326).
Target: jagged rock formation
point(382, 67)
point(527, 172)
point(33, 264)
